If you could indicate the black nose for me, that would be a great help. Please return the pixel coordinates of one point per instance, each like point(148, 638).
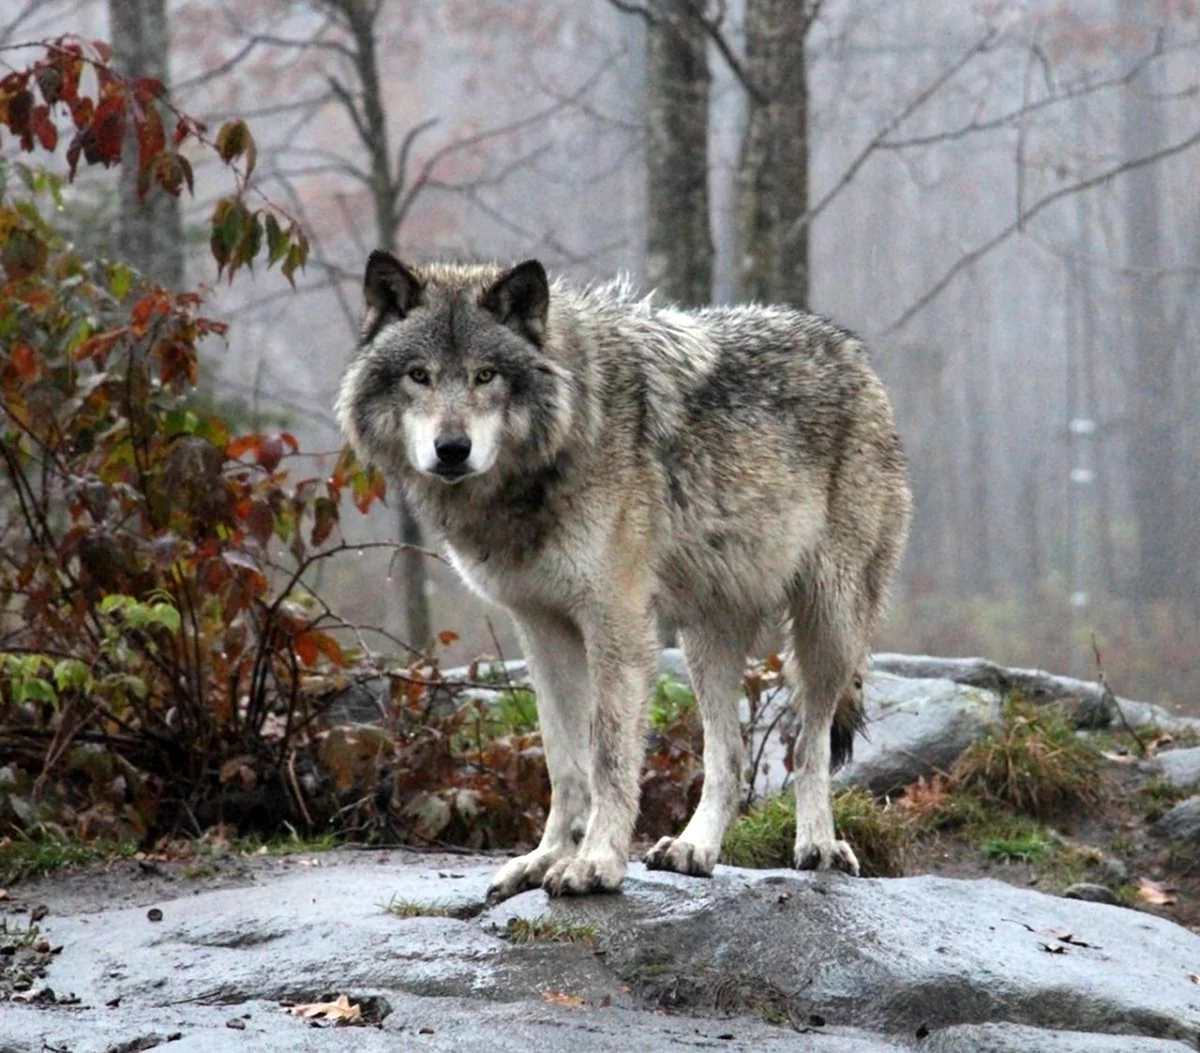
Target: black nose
point(452, 449)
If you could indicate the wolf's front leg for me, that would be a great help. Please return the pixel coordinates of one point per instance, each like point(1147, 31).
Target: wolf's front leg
point(622, 647)
point(558, 664)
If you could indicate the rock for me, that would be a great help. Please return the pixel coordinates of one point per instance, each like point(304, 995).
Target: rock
point(1181, 766)
point(1014, 1038)
point(837, 965)
point(914, 728)
point(1085, 701)
point(1093, 893)
point(1180, 823)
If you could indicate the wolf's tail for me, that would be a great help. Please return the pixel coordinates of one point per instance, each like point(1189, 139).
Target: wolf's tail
point(849, 720)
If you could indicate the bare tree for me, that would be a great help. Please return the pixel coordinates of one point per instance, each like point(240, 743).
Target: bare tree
point(151, 226)
point(679, 248)
point(772, 177)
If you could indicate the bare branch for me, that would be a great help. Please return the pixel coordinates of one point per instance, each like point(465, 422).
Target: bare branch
point(980, 251)
point(801, 222)
point(342, 94)
point(402, 158)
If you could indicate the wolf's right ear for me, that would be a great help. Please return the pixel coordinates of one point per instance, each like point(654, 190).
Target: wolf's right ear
point(390, 289)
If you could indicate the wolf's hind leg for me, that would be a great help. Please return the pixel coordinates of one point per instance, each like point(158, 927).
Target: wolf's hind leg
point(829, 636)
point(716, 661)
point(558, 665)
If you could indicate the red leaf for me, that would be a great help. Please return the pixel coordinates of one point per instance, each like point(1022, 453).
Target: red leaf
point(24, 359)
point(446, 637)
point(147, 89)
point(325, 516)
point(290, 439)
point(261, 521)
point(44, 128)
point(241, 445)
point(270, 452)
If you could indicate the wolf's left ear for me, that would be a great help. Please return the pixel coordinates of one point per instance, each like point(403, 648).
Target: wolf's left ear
point(520, 299)
point(390, 289)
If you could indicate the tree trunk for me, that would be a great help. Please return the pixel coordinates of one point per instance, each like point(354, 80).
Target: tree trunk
point(361, 18)
point(151, 228)
point(772, 178)
point(679, 248)
point(1153, 462)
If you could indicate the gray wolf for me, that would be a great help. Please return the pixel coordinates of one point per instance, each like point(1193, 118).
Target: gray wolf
point(599, 466)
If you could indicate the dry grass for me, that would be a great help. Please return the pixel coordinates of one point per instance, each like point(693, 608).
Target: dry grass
point(1033, 763)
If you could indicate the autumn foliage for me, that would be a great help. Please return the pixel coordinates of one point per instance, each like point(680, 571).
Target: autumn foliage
point(164, 664)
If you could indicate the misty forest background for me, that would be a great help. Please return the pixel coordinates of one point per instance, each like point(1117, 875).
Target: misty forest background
point(1002, 198)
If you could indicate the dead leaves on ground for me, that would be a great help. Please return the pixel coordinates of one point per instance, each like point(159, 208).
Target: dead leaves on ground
point(337, 1012)
point(1156, 893)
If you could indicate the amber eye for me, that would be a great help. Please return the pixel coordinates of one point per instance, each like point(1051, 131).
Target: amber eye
point(485, 376)
point(418, 375)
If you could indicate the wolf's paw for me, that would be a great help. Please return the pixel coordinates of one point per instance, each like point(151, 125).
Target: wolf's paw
point(826, 855)
point(583, 874)
point(517, 875)
point(683, 857)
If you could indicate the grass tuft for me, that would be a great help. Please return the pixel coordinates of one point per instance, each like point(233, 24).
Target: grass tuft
point(21, 858)
point(1033, 762)
point(547, 929)
point(408, 908)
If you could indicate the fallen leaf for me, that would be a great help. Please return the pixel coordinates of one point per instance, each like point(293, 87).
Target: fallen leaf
point(1058, 949)
point(1155, 893)
point(3, 893)
point(1117, 758)
point(338, 1010)
point(1194, 977)
point(1064, 936)
point(559, 998)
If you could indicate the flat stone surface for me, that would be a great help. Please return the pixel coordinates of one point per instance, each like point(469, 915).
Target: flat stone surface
point(749, 960)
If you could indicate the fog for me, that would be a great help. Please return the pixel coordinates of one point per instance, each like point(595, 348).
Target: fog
point(1003, 199)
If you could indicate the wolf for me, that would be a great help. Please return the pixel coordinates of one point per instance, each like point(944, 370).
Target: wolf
point(600, 467)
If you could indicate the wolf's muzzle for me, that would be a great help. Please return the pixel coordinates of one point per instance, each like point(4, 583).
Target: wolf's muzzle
point(452, 453)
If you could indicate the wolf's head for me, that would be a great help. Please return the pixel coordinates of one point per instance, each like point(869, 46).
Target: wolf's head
point(453, 379)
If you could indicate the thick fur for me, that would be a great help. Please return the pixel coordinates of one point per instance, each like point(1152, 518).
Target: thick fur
point(720, 472)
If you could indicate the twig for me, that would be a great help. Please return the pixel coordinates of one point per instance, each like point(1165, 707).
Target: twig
point(1108, 696)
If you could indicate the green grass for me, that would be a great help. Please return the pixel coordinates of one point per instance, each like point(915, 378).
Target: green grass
point(548, 929)
point(408, 908)
point(20, 858)
point(1023, 848)
point(1033, 762)
point(765, 836)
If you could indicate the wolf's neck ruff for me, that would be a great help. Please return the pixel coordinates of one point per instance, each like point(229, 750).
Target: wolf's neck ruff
point(590, 460)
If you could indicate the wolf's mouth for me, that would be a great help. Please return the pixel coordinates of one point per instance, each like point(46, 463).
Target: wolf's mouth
point(452, 473)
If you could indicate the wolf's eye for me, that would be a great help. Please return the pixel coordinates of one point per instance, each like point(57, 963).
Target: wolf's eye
point(418, 375)
point(485, 376)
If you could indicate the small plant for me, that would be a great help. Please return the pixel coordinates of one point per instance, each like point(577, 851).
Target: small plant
point(547, 929)
point(408, 908)
point(672, 701)
point(1023, 848)
point(1033, 762)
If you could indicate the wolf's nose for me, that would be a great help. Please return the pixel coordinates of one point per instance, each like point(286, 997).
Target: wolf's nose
point(452, 449)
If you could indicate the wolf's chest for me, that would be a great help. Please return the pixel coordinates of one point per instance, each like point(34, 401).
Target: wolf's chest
point(552, 576)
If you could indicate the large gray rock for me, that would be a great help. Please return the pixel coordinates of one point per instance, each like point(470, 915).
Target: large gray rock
point(916, 727)
point(1180, 823)
point(835, 964)
point(1085, 701)
point(1181, 766)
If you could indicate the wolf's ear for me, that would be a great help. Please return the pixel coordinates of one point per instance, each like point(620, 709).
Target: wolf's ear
point(520, 299)
point(390, 289)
